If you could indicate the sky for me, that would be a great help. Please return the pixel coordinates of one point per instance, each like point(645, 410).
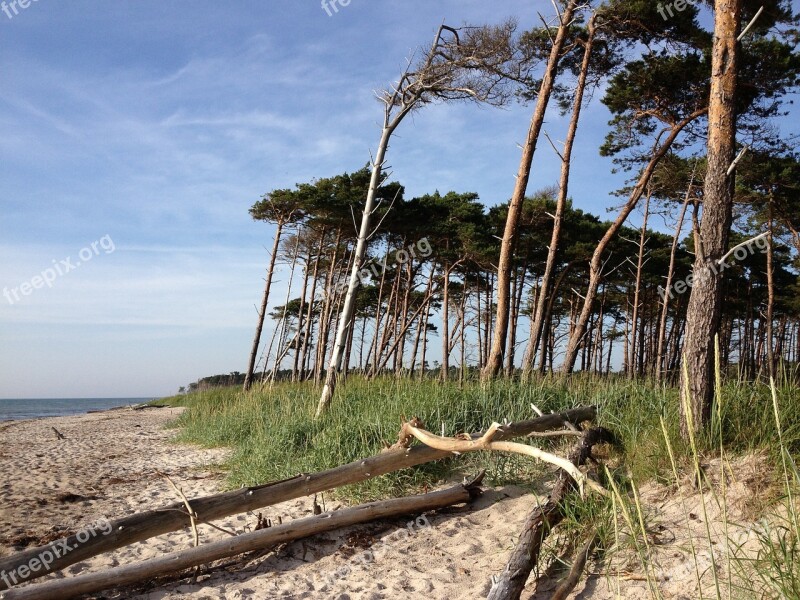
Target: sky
point(135, 136)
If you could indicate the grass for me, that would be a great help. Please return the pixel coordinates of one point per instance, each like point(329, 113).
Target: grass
point(273, 435)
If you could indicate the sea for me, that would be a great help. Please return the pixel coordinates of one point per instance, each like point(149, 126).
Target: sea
point(14, 409)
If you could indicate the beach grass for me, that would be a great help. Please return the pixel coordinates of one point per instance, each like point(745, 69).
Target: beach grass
point(273, 433)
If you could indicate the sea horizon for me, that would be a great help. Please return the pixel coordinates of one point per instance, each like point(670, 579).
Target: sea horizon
point(18, 409)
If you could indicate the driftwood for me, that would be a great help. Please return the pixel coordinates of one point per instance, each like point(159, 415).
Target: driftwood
point(467, 443)
point(540, 522)
point(575, 572)
point(142, 526)
point(62, 589)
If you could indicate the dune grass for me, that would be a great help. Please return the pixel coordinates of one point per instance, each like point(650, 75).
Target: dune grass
point(274, 435)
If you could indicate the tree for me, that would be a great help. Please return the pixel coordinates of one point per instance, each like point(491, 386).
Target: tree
point(658, 96)
point(473, 68)
point(281, 207)
point(537, 319)
point(494, 363)
point(705, 301)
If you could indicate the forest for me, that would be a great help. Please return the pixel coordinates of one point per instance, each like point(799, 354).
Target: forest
point(460, 285)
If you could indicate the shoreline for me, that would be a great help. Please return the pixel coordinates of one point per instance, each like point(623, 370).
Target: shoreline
point(138, 406)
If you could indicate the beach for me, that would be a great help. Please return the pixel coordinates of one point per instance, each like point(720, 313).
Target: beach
point(107, 467)
point(114, 463)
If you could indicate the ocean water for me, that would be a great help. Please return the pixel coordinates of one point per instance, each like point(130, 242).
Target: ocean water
point(13, 409)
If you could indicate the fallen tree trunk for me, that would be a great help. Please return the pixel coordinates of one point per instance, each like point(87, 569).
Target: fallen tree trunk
point(63, 589)
point(574, 575)
point(541, 521)
point(142, 526)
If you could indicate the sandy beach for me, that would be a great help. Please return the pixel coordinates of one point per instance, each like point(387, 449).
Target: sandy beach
point(108, 466)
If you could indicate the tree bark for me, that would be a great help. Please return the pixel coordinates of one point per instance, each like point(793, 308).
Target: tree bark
point(703, 312)
point(494, 363)
point(251, 365)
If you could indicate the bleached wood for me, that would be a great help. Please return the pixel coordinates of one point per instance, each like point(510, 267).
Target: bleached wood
point(485, 442)
point(142, 526)
point(62, 589)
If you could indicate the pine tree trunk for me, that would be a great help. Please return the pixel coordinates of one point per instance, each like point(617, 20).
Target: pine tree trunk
point(494, 363)
point(561, 202)
point(346, 318)
point(324, 319)
point(423, 325)
point(662, 327)
point(548, 318)
point(445, 324)
point(771, 362)
point(372, 355)
point(284, 328)
point(596, 265)
point(703, 312)
point(251, 365)
point(309, 332)
point(635, 341)
point(300, 317)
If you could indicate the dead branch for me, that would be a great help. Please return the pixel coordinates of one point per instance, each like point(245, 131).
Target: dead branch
point(62, 589)
point(575, 572)
point(485, 442)
point(541, 521)
point(189, 511)
point(142, 526)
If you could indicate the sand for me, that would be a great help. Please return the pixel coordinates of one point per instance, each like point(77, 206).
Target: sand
point(108, 466)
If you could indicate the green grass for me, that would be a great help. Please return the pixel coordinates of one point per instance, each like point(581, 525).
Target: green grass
point(274, 435)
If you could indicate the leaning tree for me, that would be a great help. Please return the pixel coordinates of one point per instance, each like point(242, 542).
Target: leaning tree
point(476, 64)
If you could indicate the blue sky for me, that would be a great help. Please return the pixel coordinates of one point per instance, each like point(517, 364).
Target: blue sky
point(154, 125)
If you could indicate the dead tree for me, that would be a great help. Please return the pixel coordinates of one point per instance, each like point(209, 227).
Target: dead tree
point(142, 526)
point(468, 64)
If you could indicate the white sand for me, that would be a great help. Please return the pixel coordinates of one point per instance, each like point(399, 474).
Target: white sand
point(111, 460)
